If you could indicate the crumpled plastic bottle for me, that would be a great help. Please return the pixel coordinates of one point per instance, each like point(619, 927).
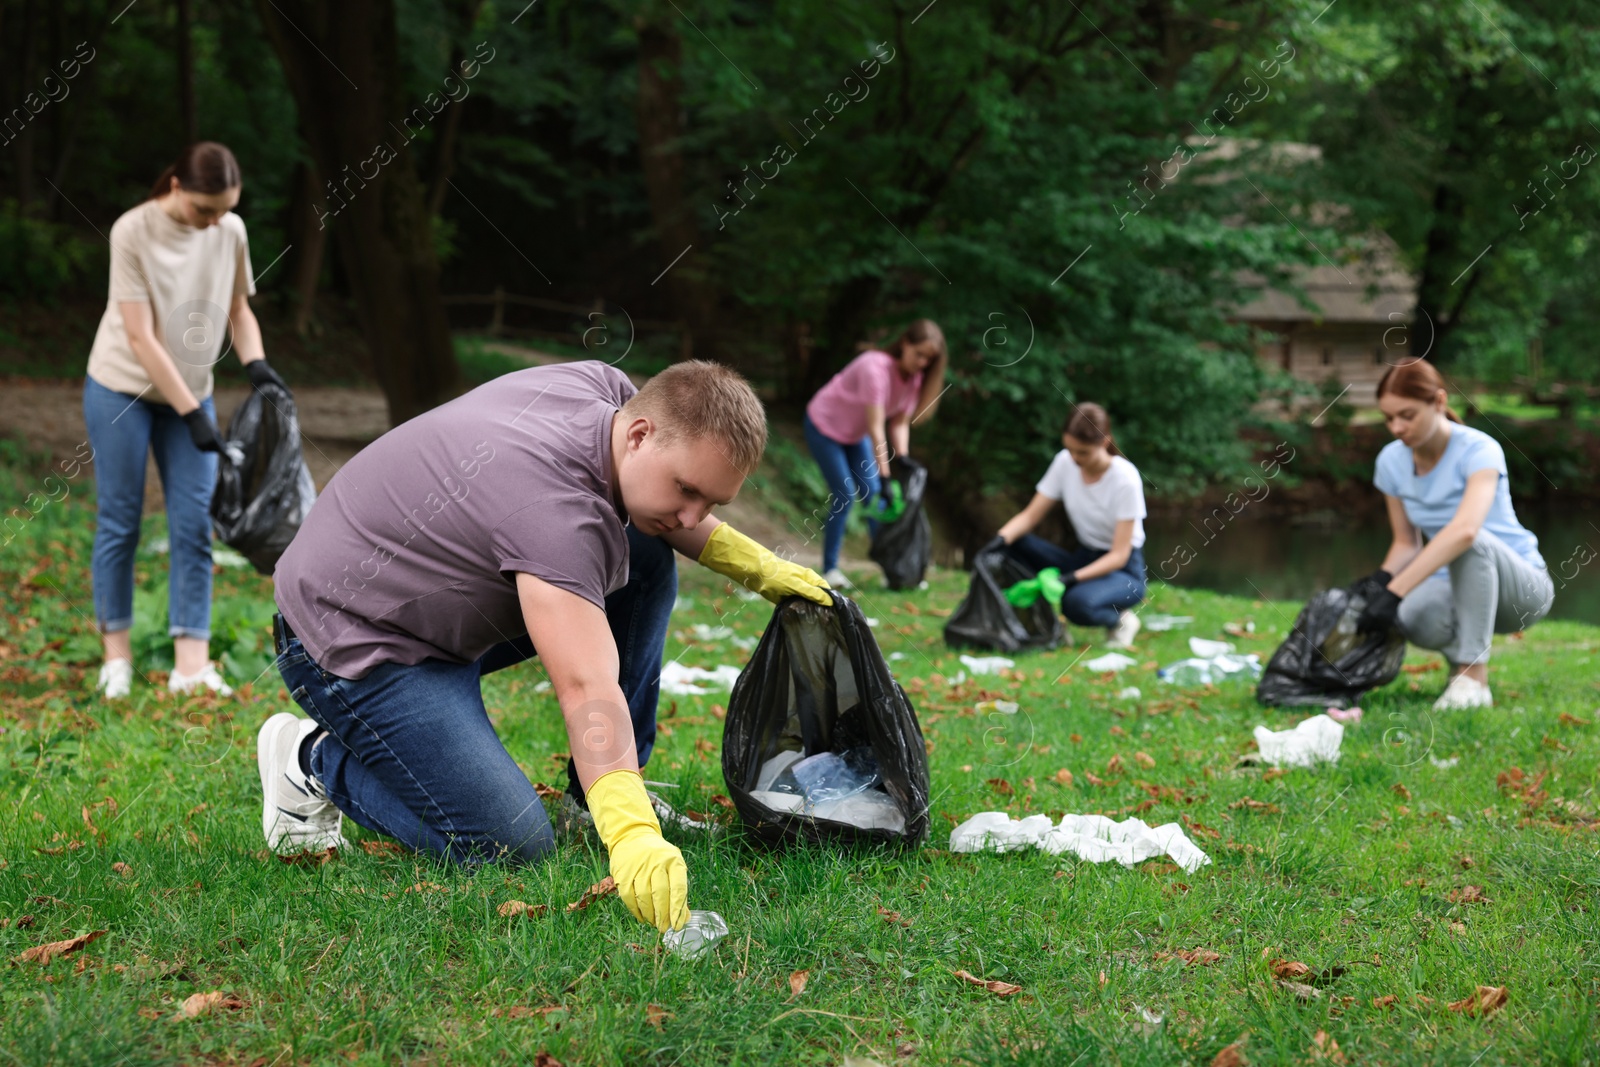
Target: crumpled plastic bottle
point(697, 937)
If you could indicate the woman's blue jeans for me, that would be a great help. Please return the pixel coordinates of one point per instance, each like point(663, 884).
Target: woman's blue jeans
point(123, 431)
point(1097, 602)
point(411, 752)
point(852, 474)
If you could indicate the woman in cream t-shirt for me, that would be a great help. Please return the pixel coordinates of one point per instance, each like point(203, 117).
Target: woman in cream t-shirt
point(1104, 498)
point(180, 285)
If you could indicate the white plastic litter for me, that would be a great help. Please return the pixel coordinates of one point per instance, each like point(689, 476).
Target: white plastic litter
point(871, 621)
point(779, 801)
point(1156, 623)
point(1130, 693)
point(1111, 661)
point(1094, 838)
point(1444, 764)
point(1004, 707)
point(872, 810)
point(1209, 649)
point(702, 632)
point(776, 766)
point(893, 656)
point(1197, 671)
point(542, 687)
point(986, 664)
point(1313, 741)
point(746, 644)
point(680, 680)
point(698, 936)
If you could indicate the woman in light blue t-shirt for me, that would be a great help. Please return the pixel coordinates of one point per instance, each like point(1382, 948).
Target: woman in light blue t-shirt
point(1479, 571)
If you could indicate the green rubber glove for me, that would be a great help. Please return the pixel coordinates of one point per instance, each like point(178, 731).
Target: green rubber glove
point(1047, 583)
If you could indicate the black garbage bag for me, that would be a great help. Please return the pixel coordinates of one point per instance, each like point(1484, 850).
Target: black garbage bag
point(902, 547)
point(986, 619)
point(264, 488)
point(815, 684)
point(1325, 660)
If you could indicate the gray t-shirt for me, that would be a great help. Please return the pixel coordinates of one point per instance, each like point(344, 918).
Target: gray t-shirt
point(412, 550)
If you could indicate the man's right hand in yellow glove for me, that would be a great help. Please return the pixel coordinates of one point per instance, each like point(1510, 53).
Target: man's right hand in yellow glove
point(651, 877)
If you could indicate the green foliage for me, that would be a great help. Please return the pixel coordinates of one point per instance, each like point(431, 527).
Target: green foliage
point(38, 259)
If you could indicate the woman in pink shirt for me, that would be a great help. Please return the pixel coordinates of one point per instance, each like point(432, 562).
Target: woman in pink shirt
point(863, 412)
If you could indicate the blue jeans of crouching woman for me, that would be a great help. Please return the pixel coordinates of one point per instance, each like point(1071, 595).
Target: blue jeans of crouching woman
point(123, 431)
point(411, 752)
point(1096, 602)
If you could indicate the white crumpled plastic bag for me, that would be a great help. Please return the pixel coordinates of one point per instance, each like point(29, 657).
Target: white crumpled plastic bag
point(695, 681)
point(1094, 838)
point(1313, 741)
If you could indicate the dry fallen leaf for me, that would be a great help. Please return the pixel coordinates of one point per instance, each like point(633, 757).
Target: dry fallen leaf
point(1075, 738)
point(427, 887)
point(1003, 989)
point(1472, 894)
point(380, 848)
point(45, 953)
point(1064, 777)
point(1114, 764)
point(1255, 805)
point(1093, 779)
point(513, 908)
point(1144, 759)
point(1385, 1002)
point(718, 798)
point(601, 888)
point(1196, 826)
point(654, 1014)
point(122, 868)
point(1301, 990)
point(522, 1011)
point(1567, 719)
point(1001, 786)
point(546, 792)
point(1276, 772)
point(1282, 968)
point(1398, 789)
point(205, 1003)
point(544, 1059)
point(1485, 1000)
point(1324, 1047)
point(309, 859)
point(893, 917)
point(1231, 1055)
point(797, 983)
point(1459, 929)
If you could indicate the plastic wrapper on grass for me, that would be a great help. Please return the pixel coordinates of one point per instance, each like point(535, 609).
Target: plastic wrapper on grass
point(817, 683)
point(902, 547)
point(264, 488)
point(1326, 661)
point(986, 619)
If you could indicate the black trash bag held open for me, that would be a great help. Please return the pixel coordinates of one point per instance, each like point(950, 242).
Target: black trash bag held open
point(817, 683)
point(986, 619)
point(1326, 661)
point(264, 488)
point(902, 547)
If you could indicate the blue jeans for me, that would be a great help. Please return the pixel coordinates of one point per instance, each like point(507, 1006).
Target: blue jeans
point(852, 474)
point(410, 750)
point(1096, 602)
point(123, 430)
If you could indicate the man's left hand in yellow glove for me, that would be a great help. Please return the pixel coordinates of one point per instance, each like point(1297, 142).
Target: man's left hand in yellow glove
point(733, 555)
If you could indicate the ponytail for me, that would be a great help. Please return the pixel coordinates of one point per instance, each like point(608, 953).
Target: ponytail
point(1416, 379)
point(1090, 424)
point(204, 167)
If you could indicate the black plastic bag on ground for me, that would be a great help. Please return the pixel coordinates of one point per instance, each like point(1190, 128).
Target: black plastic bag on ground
point(902, 547)
point(264, 488)
point(986, 619)
point(1326, 661)
point(817, 683)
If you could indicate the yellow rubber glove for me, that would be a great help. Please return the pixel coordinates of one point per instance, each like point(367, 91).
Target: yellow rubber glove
point(651, 877)
point(733, 555)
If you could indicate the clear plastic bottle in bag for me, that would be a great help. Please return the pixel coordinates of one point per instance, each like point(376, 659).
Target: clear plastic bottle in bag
point(828, 776)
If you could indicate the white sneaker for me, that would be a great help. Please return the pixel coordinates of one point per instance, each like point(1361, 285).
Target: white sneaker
point(1121, 635)
point(116, 679)
point(836, 578)
point(209, 678)
point(296, 814)
point(1463, 694)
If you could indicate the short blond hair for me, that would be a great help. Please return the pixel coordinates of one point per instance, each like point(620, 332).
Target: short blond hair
point(698, 399)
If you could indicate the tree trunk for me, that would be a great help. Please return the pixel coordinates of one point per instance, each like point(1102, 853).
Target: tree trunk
point(659, 119)
point(310, 241)
point(342, 64)
point(24, 140)
point(188, 123)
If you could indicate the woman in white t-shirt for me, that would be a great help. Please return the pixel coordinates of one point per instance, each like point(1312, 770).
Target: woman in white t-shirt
point(180, 282)
point(1104, 497)
point(1479, 572)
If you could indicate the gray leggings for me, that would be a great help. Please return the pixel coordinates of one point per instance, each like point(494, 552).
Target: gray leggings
point(1490, 590)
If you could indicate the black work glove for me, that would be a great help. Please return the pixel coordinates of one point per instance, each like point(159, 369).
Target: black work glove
point(1379, 615)
point(996, 544)
point(260, 374)
point(1068, 579)
point(201, 431)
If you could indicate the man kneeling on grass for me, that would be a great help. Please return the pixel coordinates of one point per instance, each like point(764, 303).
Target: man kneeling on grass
point(536, 515)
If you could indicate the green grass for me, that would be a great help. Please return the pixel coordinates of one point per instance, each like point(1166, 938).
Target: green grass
point(341, 962)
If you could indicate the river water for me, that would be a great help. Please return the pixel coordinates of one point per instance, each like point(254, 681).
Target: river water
point(1289, 558)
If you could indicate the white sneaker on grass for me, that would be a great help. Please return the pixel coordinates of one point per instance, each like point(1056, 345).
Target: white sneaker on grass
point(116, 679)
point(296, 814)
point(207, 678)
point(1121, 635)
point(1464, 694)
point(838, 579)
